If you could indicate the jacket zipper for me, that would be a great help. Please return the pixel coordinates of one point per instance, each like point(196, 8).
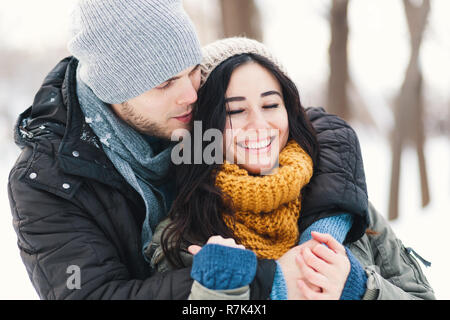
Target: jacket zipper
point(426, 263)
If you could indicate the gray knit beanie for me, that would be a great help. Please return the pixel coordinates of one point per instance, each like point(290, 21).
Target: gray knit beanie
point(217, 52)
point(126, 48)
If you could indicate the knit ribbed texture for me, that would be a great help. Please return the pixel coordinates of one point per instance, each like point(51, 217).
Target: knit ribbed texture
point(267, 208)
point(219, 267)
point(279, 287)
point(217, 52)
point(336, 226)
point(354, 289)
point(214, 263)
point(126, 48)
point(356, 283)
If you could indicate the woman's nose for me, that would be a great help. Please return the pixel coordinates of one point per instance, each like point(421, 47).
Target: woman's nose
point(257, 120)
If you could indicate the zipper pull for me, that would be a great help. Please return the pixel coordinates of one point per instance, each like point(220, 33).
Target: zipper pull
point(425, 262)
point(26, 133)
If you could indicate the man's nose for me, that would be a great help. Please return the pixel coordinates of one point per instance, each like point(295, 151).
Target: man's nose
point(189, 93)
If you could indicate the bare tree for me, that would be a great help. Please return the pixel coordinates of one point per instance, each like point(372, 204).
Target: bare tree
point(343, 98)
point(408, 108)
point(241, 18)
point(338, 80)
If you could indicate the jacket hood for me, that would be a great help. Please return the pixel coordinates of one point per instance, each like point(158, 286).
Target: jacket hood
point(48, 111)
point(55, 123)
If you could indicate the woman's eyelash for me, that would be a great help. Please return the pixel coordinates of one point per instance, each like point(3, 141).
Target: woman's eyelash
point(231, 112)
point(272, 106)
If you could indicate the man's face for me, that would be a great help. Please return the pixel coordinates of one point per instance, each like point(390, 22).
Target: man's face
point(165, 108)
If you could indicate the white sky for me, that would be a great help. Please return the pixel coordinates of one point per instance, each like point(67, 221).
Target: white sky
point(34, 24)
point(378, 46)
point(296, 30)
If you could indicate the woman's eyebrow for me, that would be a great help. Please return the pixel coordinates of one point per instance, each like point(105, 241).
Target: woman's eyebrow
point(268, 93)
point(264, 94)
point(231, 99)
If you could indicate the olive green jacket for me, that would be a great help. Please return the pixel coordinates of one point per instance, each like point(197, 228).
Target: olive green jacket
point(393, 272)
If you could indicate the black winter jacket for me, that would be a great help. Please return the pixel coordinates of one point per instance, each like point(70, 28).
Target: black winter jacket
point(71, 207)
point(339, 183)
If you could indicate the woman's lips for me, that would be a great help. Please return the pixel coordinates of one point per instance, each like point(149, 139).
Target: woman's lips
point(185, 118)
point(257, 147)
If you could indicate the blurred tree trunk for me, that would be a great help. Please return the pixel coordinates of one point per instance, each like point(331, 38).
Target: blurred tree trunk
point(338, 80)
point(408, 108)
point(241, 18)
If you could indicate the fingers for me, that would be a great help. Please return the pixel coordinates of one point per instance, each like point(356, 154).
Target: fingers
point(310, 244)
point(307, 292)
point(229, 242)
point(310, 274)
point(316, 263)
point(327, 239)
point(215, 239)
point(325, 253)
point(194, 249)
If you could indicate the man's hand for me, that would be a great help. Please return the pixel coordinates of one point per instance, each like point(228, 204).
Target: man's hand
point(322, 266)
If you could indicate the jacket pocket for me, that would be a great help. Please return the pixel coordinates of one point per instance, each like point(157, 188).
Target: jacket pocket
point(410, 260)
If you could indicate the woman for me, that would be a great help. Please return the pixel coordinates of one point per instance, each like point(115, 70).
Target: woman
point(249, 198)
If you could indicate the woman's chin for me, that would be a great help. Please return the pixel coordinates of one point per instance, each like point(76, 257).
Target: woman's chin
point(260, 168)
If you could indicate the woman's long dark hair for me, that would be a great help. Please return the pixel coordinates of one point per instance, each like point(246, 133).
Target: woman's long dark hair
point(198, 210)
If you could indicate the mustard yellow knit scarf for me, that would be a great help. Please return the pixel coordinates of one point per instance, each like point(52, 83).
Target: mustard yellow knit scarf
point(267, 207)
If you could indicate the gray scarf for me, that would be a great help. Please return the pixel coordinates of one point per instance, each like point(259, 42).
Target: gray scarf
point(131, 154)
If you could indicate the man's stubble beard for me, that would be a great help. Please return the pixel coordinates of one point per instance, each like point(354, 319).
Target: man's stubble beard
point(141, 124)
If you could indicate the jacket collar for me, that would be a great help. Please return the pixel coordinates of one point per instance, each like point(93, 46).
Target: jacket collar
point(80, 150)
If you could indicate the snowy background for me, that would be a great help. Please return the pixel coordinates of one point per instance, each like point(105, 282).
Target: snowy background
point(298, 32)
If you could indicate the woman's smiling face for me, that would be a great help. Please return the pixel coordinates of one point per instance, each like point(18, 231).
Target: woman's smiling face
point(257, 127)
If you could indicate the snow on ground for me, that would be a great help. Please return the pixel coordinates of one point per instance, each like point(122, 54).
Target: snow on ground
point(424, 230)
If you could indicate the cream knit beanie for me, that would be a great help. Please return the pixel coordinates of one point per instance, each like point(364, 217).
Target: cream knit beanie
point(217, 52)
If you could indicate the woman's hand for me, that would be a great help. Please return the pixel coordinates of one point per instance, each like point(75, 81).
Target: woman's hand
point(325, 267)
point(228, 242)
point(292, 272)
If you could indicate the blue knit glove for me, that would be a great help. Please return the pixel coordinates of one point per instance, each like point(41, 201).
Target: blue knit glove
point(338, 226)
point(220, 267)
point(279, 288)
point(355, 286)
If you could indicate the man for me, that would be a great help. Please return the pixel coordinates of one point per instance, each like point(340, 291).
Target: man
point(93, 181)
